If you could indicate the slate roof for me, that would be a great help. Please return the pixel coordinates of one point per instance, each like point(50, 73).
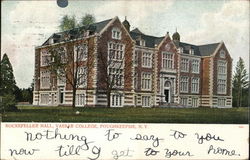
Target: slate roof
point(136, 34)
point(76, 32)
point(199, 50)
point(208, 49)
point(150, 41)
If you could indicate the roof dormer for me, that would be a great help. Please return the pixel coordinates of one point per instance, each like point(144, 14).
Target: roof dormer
point(191, 51)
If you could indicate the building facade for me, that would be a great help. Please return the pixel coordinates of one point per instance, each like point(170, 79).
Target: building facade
point(122, 67)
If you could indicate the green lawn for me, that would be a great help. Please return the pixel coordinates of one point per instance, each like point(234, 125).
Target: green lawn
point(128, 115)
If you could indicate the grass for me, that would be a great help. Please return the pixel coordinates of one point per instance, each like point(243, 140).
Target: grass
point(128, 115)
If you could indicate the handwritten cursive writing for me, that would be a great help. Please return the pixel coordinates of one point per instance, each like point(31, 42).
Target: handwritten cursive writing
point(221, 151)
point(23, 151)
point(177, 134)
point(156, 140)
point(124, 153)
point(175, 152)
point(207, 137)
point(112, 135)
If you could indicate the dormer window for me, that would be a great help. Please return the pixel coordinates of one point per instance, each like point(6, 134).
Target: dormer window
point(51, 41)
point(180, 50)
point(116, 33)
point(222, 54)
point(142, 43)
point(191, 51)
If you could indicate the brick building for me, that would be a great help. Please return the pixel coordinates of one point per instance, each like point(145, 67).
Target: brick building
point(145, 70)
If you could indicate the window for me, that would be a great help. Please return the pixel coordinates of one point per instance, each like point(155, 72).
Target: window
point(195, 85)
point(167, 60)
point(145, 101)
point(116, 100)
point(80, 100)
point(116, 33)
point(195, 66)
point(82, 76)
point(184, 84)
point(184, 101)
point(222, 54)
point(146, 81)
point(221, 102)
point(191, 51)
point(194, 102)
point(136, 58)
point(222, 77)
point(61, 80)
point(45, 79)
point(116, 76)
point(142, 43)
point(45, 58)
point(115, 51)
point(80, 52)
point(146, 59)
point(44, 99)
point(63, 54)
point(184, 64)
point(136, 80)
point(180, 50)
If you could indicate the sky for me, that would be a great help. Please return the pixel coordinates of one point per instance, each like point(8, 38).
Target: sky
point(27, 24)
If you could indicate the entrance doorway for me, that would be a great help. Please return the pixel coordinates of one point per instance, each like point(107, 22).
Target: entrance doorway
point(167, 91)
point(52, 99)
point(61, 96)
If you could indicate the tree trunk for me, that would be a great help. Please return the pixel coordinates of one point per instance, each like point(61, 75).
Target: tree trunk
point(108, 98)
point(74, 97)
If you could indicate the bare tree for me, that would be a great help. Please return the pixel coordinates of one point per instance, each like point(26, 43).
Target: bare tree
point(66, 63)
point(113, 68)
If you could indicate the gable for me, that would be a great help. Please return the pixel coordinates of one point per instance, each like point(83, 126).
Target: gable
point(115, 22)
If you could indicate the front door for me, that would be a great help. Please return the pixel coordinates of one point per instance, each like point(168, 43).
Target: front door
point(166, 93)
point(52, 99)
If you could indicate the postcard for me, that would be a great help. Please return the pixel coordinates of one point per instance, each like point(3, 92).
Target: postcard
point(127, 79)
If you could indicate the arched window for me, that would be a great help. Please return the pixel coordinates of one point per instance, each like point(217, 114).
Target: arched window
point(167, 84)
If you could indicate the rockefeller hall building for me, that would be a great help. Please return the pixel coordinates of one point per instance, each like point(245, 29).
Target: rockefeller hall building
point(120, 67)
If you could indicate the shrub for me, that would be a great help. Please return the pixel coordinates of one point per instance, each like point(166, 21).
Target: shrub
point(8, 103)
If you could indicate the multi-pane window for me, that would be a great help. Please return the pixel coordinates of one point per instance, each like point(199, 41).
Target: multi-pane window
point(116, 51)
point(146, 101)
point(142, 42)
point(191, 51)
point(116, 76)
point(82, 76)
point(116, 33)
point(63, 54)
point(146, 81)
point(194, 102)
point(184, 64)
point(136, 80)
point(222, 54)
point(146, 59)
point(184, 84)
point(222, 77)
point(167, 60)
point(221, 102)
point(180, 50)
point(184, 101)
point(195, 66)
point(116, 100)
point(80, 100)
point(61, 80)
point(195, 85)
point(45, 58)
point(44, 99)
point(45, 79)
point(136, 58)
point(80, 52)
